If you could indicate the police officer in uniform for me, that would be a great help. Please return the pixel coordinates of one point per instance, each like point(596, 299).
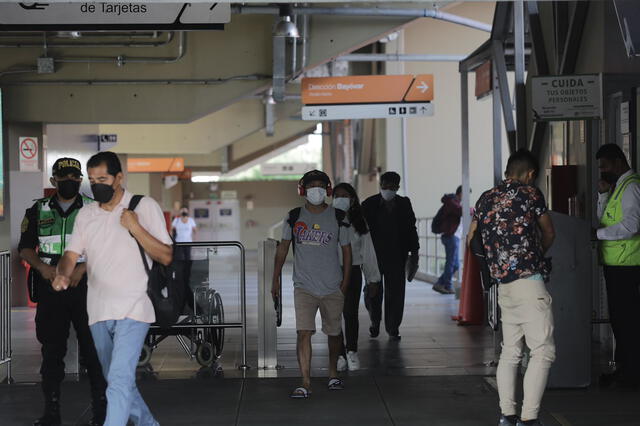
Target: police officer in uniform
point(619, 235)
point(47, 226)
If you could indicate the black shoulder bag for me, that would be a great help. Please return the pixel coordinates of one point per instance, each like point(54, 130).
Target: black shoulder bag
point(476, 245)
point(165, 286)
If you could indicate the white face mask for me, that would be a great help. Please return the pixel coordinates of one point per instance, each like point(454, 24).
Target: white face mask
point(388, 194)
point(342, 203)
point(316, 196)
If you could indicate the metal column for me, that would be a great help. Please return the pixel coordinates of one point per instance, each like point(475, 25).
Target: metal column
point(497, 126)
point(405, 160)
point(267, 315)
point(505, 97)
point(521, 92)
point(464, 101)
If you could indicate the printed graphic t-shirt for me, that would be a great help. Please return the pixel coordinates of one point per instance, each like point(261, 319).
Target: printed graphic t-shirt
point(316, 238)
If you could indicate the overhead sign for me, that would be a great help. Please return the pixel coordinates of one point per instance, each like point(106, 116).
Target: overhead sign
point(113, 16)
point(151, 165)
point(362, 111)
point(229, 195)
point(483, 80)
point(567, 97)
point(108, 138)
point(29, 154)
point(367, 89)
point(286, 169)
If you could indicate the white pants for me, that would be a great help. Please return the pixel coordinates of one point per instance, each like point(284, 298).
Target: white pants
point(526, 317)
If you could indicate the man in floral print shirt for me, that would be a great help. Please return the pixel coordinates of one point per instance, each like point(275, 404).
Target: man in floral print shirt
point(516, 232)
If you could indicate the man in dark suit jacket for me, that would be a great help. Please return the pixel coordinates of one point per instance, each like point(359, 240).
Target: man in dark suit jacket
point(395, 237)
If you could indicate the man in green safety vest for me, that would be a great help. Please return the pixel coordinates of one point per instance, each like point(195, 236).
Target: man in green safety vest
point(46, 229)
point(619, 235)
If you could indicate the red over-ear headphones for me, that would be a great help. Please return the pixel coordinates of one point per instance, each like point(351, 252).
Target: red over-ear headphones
point(311, 176)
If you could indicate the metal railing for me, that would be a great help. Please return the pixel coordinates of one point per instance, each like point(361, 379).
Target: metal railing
point(432, 253)
point(269, 310)
point(243, 296)
point(5, 311)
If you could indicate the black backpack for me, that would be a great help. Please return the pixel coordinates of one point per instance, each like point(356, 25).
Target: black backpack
point(294, 215)
point(438, 221)
point(165, 287)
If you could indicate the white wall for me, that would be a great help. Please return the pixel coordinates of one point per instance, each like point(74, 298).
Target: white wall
point(433, 154)
point(139, 183)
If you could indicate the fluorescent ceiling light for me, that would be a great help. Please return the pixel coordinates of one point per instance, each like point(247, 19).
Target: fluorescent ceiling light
point(205, 177)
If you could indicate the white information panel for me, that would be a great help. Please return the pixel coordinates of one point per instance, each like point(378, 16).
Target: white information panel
point(100, 14)
point(361, 111)
point(567, 97)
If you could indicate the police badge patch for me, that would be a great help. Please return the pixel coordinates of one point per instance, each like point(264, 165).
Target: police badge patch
point(24, 225)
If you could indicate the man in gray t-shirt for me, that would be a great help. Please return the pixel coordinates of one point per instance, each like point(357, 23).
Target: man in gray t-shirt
point(316, 230)
point(316, 238)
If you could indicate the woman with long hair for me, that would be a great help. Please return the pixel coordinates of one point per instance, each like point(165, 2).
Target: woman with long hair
point(364, 260)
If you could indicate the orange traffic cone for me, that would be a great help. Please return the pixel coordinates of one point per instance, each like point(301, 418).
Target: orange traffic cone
point(471, 310)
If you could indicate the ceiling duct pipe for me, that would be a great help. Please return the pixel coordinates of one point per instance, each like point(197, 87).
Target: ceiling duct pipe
point(123, 60)
point(269, 113)
point(396, 57)
point(85, 44)
point(352, 11)
point(283, 29)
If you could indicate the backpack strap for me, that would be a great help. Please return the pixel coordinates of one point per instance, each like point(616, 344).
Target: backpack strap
point(135, 200)
point(294, 215)
point(340, 216)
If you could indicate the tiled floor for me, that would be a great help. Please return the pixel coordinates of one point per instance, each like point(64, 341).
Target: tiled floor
point(434, 376)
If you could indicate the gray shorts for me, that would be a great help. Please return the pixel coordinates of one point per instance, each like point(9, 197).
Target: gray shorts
point(307, 305)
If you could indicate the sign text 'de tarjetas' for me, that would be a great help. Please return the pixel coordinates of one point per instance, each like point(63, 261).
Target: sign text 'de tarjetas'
point(114, 8)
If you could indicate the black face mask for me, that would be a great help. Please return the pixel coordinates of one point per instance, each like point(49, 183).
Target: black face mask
point(610, 178)
point(68, 189)
point(102, 192)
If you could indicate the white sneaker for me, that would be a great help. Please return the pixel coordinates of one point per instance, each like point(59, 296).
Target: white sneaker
point(342, 363)
point(353, 361)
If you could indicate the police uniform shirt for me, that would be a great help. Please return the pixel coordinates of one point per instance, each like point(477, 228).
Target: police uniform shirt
point(629, 226)
point(29, 228)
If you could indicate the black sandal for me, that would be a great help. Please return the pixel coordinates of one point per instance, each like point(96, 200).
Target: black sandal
point(335, 384)
point(300, 393)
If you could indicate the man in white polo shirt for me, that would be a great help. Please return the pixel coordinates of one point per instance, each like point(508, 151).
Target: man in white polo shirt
point(119, 309)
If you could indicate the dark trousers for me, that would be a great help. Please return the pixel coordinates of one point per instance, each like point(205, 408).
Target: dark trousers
point(184, 264)
point(452, 249)
point(623, 292)
point(392, 290)
point(55, 313)
point(351, 309)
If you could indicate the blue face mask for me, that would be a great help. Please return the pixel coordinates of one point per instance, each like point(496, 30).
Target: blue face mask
point(316, 195)
point(342, 203)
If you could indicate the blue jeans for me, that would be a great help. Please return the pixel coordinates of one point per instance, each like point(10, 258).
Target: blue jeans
point(119, 344)
point(452, 250)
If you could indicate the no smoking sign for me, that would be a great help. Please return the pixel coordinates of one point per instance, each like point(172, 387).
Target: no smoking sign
point(29, 154)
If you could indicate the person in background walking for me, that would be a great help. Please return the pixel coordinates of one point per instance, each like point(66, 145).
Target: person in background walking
point(184, 229)
point(448, 223)
point(364, 260)
point(392, 223)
